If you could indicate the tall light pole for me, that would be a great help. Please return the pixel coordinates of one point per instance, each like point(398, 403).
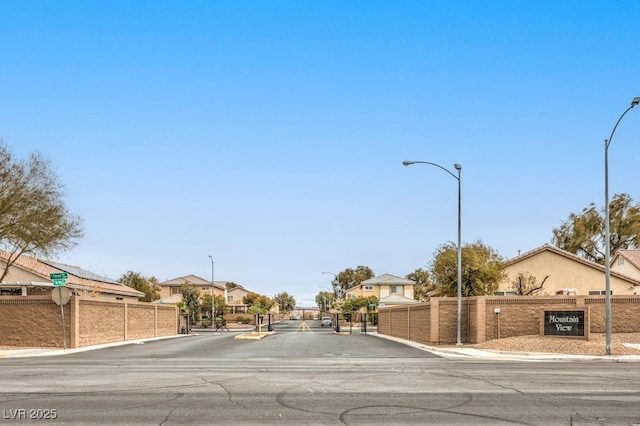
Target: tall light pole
point(458, 167)
point(213, 295)
point(607, 243)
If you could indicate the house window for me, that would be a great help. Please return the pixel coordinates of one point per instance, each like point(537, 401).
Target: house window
point(598, 292)
point(368, 288)
point(620, 260)
point(175, 290)
point(505, 293)
point(229, 299)
point(396, 289)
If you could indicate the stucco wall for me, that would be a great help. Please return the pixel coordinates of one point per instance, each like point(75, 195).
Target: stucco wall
point(562, 273)
point(625, 267)
point(436, 321)
point(35, 321)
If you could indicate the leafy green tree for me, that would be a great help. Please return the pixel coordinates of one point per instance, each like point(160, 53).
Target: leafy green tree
point(149, 286)
point(350, 278)
point(584, 234)
point(221, 306)
point(482, 270)
point(205, 306)
point(191, 301)
point(261, 302)
point(257, 309)
point(354, 304)
point(325, 300)
point(33, 216)
point(526, 284)
point(423, 284)
point(285, 302)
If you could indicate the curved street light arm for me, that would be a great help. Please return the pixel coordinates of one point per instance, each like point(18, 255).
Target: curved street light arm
point(457, 166)
point(635, 102)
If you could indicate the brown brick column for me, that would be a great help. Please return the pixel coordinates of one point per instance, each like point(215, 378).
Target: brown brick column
point(434, 329)
point(480, 320)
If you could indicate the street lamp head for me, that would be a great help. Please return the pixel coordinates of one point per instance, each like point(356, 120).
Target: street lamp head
point(635, 101)
point(408, 163)
point(457, 166)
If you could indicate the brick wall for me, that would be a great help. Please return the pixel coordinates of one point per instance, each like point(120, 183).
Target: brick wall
point(141, 321)
point(100, 322)
point(39, 315)
point(35, 321)
point(167, 320)
point(436, 321)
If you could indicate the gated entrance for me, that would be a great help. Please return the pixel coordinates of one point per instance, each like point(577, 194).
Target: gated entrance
point(328, 322)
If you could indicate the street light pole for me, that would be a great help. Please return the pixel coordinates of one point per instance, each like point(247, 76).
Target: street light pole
point(607, 243)
point(458, 167)
point(213, 295)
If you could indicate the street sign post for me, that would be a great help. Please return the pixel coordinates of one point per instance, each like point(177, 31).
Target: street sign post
point(60, 280)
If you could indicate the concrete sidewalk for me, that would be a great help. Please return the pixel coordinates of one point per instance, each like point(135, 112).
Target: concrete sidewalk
point(473, 354)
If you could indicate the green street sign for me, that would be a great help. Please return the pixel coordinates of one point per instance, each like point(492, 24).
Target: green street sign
point(59, 279)
point(58, 276)
point(372, 305)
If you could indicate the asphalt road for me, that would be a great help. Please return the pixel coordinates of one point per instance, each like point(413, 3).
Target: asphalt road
point(308, 378)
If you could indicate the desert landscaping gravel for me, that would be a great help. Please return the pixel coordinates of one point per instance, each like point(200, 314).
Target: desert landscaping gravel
point(621, 344)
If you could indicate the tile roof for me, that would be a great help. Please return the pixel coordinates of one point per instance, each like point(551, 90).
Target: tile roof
point(387, 279)
point(633, 256)
point(571, 256)
point(78, 278)
point(194, 280)
point(396, 299)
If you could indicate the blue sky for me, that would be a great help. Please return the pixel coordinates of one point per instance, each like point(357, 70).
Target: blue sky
point(270, 135)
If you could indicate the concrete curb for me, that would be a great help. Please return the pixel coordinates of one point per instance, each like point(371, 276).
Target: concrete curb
point(254, 335)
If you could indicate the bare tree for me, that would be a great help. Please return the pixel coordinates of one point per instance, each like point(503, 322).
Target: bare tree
point(525, 284)
point(33, 217)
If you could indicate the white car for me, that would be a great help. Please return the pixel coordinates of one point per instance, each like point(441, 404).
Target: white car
point(325, 321)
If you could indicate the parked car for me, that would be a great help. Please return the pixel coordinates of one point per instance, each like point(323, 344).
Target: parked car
point(325, 321)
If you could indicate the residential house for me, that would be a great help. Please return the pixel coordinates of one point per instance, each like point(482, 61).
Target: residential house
point(171, 290)
point(566, 273)
point(235, 300)
point(389, 289)
point(627, 262)
point(30, 276)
